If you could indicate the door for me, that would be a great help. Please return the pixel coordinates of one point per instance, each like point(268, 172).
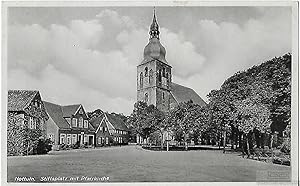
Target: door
point(91, 140)
point(79, 138)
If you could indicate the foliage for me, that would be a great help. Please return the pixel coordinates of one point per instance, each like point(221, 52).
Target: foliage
point(95, 113)
point(256, 98)
point(22, 140)
point(44, 146)
point(189, 119)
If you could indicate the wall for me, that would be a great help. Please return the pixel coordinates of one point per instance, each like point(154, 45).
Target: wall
point(52, 128)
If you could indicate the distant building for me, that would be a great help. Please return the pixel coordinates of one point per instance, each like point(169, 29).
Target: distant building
point(110, 130)
point(154, 79)
point(26, 114)
point(68, 125)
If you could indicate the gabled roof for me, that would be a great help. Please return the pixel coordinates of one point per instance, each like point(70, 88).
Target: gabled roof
point(56, 113)
point(18, 100)
point(116, 121)
point(70, 110)
point(184, 94)
point(113, 119)
point(95, 122)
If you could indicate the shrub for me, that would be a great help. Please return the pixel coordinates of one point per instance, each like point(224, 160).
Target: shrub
point(43, 146)
point(286, 146)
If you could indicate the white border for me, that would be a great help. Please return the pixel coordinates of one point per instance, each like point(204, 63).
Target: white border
point(121, 3)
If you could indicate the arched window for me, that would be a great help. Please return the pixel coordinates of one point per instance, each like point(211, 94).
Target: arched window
point(146, 71)
point(150, 75)
point(159, 75)
point(146, 97)
point(141, 80)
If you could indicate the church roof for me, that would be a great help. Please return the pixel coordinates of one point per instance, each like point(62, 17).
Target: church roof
point(184, 94)
point(18, 100)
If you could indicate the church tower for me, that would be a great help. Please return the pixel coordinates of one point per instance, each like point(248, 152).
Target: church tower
point(154, 75)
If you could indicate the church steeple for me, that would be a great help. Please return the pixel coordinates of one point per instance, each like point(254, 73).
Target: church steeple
point(154, 28)
point(154, 50)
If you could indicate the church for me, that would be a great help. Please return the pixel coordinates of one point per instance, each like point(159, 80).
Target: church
point(154, 78)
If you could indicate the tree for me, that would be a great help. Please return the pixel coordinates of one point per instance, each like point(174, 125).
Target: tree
point(186, 117)
point(254, 100)
point(145, 120)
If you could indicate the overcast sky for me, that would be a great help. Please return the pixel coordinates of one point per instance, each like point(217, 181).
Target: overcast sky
point(89, 55)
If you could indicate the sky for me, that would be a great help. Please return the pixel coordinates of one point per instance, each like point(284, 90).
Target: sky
point(89, 55)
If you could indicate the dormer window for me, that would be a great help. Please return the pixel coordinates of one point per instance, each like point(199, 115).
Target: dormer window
point(86, 124)
point(80, 111)
point(74, 122)
point(81, 122)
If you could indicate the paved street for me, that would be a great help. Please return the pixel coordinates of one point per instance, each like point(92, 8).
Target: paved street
point(131, 164)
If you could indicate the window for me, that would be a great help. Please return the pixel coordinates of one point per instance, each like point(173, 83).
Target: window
point(159, 75)
point(74, 122)
point(141, 80)
point(146, 71)
point(150, 76)
point(81, 122)
point(62, 138)
point(51, 137)
point(164, 72)
point(74, 138)
point(163, 95)
point(85, 123)
point(80, 111)
point(85, 139)
point(146, 97)
point(31, 123)
point(99, 140)
point(69, 139)
point(106, 140)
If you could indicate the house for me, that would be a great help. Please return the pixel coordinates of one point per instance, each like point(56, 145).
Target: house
point(26, 121)
point(110, 130)
point(68, 125)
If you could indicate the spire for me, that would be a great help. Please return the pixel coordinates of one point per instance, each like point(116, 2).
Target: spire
point(154, 28)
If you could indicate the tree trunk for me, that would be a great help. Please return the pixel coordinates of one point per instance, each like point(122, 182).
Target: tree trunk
point(185, 141)
point(162, 141)
point(219, 141)
point(224, 141)
point(248, 149)
point(240, 140)
point(271, 145)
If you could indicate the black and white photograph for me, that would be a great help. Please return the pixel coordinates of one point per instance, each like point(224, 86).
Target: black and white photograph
point(142, 92)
